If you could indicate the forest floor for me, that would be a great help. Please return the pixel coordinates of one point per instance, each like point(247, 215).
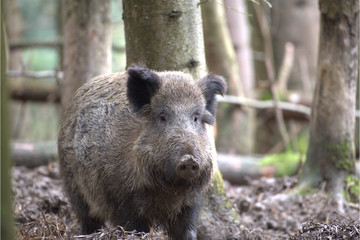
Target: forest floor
point(267, 206)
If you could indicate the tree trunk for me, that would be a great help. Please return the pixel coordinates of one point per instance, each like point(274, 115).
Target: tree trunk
point(257, 44)
point(236, 15)
point(331, 149)
point(13, 26)
point(234, 133)
point(167, 35)
point(297, 22)
point(7, 227)
point(261, 139)
point(164, 35)
point(87, 43)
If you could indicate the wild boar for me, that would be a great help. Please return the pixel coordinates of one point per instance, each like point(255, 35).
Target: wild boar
point(134, 150)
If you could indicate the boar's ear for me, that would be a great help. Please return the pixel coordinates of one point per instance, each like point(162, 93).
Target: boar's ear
point(142, 84)
point(210, 85)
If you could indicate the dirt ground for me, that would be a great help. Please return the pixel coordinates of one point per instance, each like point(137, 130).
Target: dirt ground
point(267, 206)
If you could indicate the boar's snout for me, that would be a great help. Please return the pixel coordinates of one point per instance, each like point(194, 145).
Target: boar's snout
point(188, 167)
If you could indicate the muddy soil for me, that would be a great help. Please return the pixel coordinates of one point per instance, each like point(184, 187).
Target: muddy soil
point(268, 207)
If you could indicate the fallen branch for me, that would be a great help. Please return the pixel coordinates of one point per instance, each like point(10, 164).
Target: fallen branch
point(34, 75)
point(238, 169)
point(33, 44)
point(288, 106)
point(354, 205)
point(28, 89)
point(58, 43)
point(32, 154)
point(235, 169)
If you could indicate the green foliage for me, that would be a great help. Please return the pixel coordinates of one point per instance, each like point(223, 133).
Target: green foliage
point(352, 188)
point(302, 142)
point(266, 95)
point(285, 163)
point(41, 59)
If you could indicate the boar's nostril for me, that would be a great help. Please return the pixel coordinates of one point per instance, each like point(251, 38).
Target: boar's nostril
point(188, 168)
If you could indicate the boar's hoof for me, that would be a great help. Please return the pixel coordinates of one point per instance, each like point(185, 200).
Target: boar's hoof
point(188, 167)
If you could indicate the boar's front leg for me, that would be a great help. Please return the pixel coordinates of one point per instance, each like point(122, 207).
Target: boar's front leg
point(184, 227)
point(88, 224)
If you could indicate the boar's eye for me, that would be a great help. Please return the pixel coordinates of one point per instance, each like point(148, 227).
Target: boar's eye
point(163, 117)
point(196, 118)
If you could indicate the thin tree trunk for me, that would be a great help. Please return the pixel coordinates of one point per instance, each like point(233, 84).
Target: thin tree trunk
point(331, 149)
point(7, 227)
point(13, 26)
point(236, 15)
point(87, 43)
point(257, 44)
point(234, 133)
point(167, 35)
point(262, 140)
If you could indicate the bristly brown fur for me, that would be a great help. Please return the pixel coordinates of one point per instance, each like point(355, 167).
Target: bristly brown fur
point(120, 141)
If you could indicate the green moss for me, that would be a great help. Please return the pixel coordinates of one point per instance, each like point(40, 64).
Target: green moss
point(352, 188)
point(306, 190)
point(286, 163)
point(342, 155)
point(219, 191)
point(267, 95)
point(302, 142)
point(218, 183)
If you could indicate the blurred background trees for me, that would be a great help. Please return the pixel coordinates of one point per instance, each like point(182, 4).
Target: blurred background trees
point(40, 64)
point(266, 50)
point(86, 44)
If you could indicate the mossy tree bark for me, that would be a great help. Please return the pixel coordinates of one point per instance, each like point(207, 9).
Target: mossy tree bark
point(167, 35)
point(235, 132)
point(87, 43)
point(331, 149)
